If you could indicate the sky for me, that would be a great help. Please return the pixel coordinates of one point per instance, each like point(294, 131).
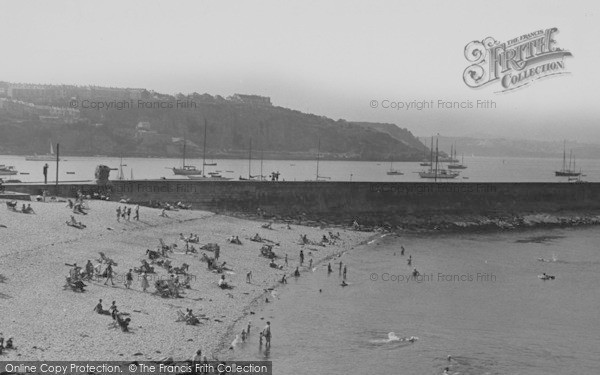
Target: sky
point(331, 58)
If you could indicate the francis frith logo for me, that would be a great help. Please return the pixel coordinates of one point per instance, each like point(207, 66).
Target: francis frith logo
point(515, 63)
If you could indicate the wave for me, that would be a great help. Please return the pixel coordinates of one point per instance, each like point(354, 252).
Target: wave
point(393, 338)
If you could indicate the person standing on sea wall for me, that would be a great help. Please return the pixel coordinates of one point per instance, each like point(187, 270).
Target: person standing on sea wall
point(45, 171)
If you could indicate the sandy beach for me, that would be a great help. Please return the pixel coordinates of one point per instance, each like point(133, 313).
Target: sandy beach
point(50, 323)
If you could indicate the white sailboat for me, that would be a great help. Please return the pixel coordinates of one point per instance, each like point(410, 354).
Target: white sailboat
point(47, 157)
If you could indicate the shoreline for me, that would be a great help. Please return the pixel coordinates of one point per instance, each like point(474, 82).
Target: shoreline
point(38, 246)
point(259, 302)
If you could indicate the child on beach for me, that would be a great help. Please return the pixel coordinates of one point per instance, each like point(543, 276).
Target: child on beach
point(249, 277)
point(128, 213)
point(98, 309)
point(301, 257)
point(119, 213)
point(145, 284)
point(109, 274)
point(286, 261)
point(137, 213)
point(128, 279)
point(249, 326)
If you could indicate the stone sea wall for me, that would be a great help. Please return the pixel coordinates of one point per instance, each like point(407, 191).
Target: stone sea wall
point(372, 203)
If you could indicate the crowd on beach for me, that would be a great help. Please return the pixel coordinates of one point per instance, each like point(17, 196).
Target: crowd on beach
point(169, 279)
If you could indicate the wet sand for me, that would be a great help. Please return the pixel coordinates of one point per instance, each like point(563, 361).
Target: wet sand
point(50, 323)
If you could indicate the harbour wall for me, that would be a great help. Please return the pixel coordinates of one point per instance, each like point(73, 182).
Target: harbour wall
point(343, 202)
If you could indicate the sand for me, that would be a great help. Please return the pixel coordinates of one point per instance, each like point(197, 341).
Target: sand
point(50, 323)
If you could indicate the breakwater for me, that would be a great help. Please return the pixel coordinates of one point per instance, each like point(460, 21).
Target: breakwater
point(342, 202)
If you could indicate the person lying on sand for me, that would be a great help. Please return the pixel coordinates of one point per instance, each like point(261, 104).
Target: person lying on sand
point(223, 284)
point(272, 264)
point(234, 240)
point(256, 238)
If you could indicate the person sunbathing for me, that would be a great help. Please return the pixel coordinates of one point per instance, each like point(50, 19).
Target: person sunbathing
point(223, 284)
point(257, 238)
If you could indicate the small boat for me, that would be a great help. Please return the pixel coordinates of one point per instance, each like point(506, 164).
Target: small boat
point(210, 164)
point(570, 171)
point(70, 172)
point(546, 277)
point(392, 171)
point(212, 177)
point(454, 164)
point(437, 173)
point(425, 164)
point(7, 170)
point(186, 170)
point(48, 157)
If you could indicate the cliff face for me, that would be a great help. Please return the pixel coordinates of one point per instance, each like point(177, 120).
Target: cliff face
point(231, 126)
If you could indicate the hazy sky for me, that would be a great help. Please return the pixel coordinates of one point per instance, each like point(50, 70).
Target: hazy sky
point(326, 57)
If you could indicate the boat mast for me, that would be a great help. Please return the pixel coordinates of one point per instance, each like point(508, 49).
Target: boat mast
point(318, 152)
point(184, 142)
point(431, 156)
point(261, 164)
point(204, 149)
point(436, 160)
point(564, 155)
point(250, 160)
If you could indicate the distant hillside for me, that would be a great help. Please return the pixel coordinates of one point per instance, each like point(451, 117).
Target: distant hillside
point(504, 147)
point(158, 127)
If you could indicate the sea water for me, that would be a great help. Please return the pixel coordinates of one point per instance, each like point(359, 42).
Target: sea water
point(480, 169)
point(479, 299)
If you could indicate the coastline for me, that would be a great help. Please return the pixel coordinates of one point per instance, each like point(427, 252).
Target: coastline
point(258, 304)
point(37, 247)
